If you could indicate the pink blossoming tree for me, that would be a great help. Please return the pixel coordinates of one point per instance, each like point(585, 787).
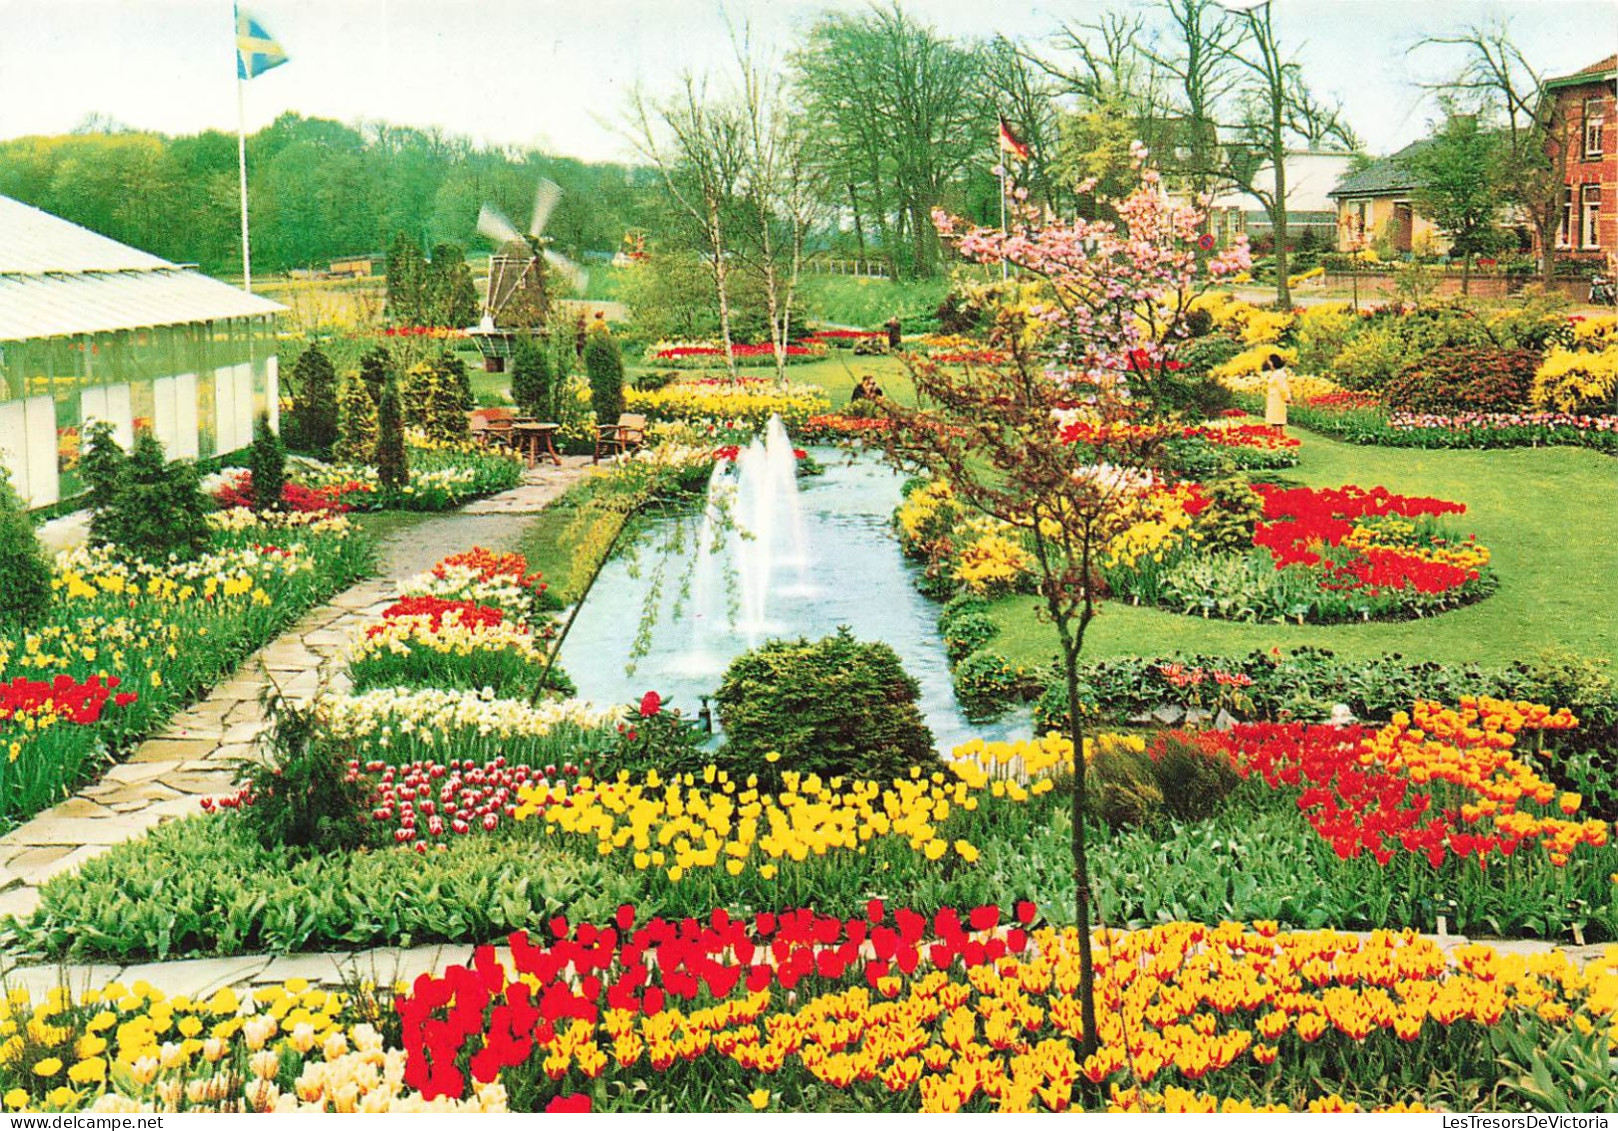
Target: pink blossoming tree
point(1061, 438)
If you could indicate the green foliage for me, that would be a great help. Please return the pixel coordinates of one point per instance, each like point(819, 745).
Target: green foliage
point(1465, 378)
point(663, 740)
point(1122, 791)
point(101, 467)
point(407, 281)
point(1226, 523)
point(268, 462)
point(146, 506)
point(314, 423)
point(357, 422)
point(1369, 360)
point(531, 377)
point(392, 460)
point(377, 368)
point(1201, 355)
point(1192, 782)
point(1321, 335)
point(965, 633)
point(450, 295)
point(835, 706)
point(303, 796)
point(987, 685)
point(242, 897)
point(25, 574)
point(605, 366)
point(1460, 182)
point(437, 398)
point(1552, 1068)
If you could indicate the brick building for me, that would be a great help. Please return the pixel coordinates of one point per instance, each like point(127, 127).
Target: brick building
point(1584, 151)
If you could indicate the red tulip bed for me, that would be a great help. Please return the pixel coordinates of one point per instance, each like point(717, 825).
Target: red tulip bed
point(1317, 555)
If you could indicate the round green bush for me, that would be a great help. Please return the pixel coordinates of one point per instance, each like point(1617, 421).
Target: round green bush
point(835, 706)
point(961, 604)
point(25, 574)
point(967, 633)
point(987, 685)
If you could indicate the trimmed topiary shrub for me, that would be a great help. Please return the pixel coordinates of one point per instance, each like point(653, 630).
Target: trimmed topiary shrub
point(604, 365)
point(531, 378)
point(357, 428)
point(835, 706)
point(25, 574)
point(268, 462)
point(392, 461)
point(313, 423)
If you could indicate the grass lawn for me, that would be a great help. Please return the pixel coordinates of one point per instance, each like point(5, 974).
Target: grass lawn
point(838, 375)
point(1546, 513)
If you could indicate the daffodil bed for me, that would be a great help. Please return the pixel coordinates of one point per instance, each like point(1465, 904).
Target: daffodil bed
point(1443, 812)
point(886, 1009)
point(126, 645)
point(442, 477)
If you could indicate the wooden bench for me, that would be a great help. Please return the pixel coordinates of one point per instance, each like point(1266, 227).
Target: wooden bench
point(628, 435)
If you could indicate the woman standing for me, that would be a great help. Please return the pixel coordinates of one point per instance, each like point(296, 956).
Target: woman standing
point(1278, 394)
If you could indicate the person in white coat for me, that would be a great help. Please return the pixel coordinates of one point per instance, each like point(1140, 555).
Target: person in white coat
point(1278, 393)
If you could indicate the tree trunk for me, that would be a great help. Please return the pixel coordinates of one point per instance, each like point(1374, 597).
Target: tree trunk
point(1081, 862)
point(721, 275)
point(1466, 274)
point(1283, 290)
point(859, 228)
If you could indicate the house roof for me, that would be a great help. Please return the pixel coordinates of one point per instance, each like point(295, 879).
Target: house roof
point(1606, 69)
point(59, 278)
point(1385, 175)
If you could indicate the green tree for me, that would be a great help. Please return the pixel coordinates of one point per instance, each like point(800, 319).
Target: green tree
point(376, 370)
point(25, 573)
point(1461, 189)
point(407, 283)
point(268, 463)
point(356, 421)
point(451, 295)
point(531, 377)
point(102, 469)
point(392, 459)
point(314, 399)
point(158, 508)
point(605, 366)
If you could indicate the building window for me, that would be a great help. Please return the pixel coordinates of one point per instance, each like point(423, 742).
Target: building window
point(1564, 230)
point(1590, 214)
point(1594, 121)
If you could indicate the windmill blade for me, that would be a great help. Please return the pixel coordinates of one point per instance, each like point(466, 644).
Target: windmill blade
point(545, 198)
point(493, 224)
point(576, 276)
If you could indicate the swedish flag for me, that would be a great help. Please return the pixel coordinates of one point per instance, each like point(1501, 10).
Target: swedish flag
point(256, 50)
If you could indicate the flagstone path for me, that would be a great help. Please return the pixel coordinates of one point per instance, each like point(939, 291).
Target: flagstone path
point(192, 757)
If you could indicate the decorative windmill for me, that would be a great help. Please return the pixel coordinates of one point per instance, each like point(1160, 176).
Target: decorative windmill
point(520, 284)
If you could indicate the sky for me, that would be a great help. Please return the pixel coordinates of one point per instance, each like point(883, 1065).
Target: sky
point(555, 74)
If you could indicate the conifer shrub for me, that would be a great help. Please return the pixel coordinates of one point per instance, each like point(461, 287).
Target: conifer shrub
point(313, 425)
point(268, 463)
point(604, 365)
point(531, 378)
point(392, 460)
point(357, 429)
point(25, 573)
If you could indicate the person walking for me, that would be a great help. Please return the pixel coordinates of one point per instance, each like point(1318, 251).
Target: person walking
point(1277, 393)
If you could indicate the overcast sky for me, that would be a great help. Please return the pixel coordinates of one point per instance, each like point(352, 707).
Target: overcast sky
point(554, 73)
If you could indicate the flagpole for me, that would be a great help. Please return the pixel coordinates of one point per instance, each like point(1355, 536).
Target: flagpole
point(241, 165)
point(1004, 269)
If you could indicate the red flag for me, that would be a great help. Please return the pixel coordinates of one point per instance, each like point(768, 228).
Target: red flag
point(1010, 142)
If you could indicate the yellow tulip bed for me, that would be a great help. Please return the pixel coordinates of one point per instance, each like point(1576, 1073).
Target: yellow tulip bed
point(889, 1010)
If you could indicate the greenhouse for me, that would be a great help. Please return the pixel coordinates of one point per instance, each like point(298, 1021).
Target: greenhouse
point(92, 329)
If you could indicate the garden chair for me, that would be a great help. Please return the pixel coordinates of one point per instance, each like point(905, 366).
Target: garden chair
point(628, 435)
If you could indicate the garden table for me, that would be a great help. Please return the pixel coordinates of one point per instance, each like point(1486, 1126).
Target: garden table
point(535, 439)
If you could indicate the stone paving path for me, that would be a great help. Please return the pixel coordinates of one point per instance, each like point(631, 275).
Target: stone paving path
point(192, 757)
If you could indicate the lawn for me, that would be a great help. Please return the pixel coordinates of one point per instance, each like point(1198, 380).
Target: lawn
point(1544, 512)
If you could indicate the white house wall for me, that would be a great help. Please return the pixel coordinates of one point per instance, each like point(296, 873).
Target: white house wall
point(185, 417)
point(40, 427)
point(14, 444)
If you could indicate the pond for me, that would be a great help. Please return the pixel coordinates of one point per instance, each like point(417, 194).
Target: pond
point(850, 573)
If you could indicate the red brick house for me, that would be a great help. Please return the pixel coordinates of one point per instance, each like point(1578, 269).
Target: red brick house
point(1583, 147)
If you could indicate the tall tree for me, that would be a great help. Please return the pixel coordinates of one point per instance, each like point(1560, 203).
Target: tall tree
point(698, 144)
point(895, 120)
point(1276, 107)
point(1461, 189)
point(450, 294)
point(1496, 79)
point(407, 282)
